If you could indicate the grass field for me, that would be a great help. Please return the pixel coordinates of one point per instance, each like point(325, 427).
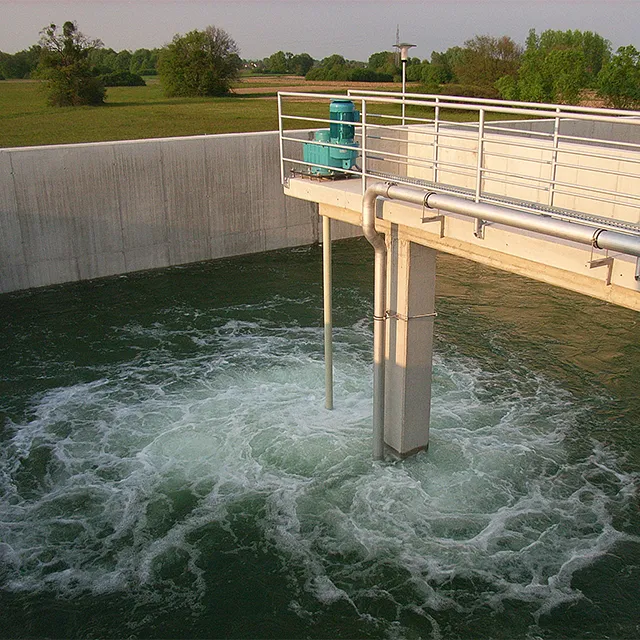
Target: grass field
point(144, 112)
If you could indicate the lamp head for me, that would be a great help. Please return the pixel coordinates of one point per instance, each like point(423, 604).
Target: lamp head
point(404, 49)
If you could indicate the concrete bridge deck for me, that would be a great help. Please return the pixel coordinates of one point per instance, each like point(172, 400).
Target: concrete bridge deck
point(597, 273)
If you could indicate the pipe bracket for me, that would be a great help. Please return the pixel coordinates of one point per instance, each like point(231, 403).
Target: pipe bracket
point(400, 316)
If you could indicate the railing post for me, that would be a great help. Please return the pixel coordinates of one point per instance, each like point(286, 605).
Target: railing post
point(280, 134)
point(436, 139)
point(554, 157)
point(363, 144)
point(479, 225)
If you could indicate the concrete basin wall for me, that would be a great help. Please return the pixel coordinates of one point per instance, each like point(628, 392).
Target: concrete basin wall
point(519, 167)
point(76, 212)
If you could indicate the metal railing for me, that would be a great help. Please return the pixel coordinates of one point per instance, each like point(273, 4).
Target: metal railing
point(558, 160)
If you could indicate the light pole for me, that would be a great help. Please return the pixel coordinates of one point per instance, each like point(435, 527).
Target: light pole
point(404, 50)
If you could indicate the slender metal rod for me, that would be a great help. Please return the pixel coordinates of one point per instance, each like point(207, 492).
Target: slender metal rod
point(327, 278)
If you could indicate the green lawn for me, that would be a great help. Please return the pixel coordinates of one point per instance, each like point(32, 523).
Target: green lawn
point(130, 113)
point(143, 112)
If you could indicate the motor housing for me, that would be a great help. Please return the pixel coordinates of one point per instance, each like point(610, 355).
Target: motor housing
point(341, 133)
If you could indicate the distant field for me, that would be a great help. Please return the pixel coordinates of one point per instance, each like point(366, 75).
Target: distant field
point(144, 112)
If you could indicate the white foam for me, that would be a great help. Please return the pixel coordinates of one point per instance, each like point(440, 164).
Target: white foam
point(106, 483)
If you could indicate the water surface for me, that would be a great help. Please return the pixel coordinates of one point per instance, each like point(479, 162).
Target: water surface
point(167, 467)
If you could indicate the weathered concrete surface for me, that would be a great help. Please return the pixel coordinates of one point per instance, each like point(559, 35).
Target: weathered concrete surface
point(74, 212)
point(411, 288)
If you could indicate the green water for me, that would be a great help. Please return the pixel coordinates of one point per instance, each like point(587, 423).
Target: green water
point(168, 470)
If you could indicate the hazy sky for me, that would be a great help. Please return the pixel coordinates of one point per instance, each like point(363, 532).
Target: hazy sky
point(353, 28)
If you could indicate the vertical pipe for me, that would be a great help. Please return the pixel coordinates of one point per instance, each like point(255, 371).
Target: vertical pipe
point(379, 344)
point(379, 310)
point(328, 315)
point(280, 131)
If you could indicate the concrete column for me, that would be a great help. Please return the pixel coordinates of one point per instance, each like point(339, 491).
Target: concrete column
point(410, 299)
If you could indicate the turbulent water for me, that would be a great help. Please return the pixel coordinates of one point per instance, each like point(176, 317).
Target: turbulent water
point(168, 469)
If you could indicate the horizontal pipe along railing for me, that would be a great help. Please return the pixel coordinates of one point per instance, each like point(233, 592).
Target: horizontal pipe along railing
point(472, 157)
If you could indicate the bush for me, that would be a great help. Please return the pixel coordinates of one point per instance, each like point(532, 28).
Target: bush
point(347, 74)
point(123, 79)
point(367, 75)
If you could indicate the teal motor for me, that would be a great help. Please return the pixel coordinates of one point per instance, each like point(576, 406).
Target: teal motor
point(339, 132)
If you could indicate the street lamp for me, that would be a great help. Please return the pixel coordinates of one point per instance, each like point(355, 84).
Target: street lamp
point(404, 50)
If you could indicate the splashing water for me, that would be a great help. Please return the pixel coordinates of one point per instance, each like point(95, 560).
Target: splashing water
point(203, 462)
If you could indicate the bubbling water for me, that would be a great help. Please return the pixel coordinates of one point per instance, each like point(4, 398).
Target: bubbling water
point(123, 483)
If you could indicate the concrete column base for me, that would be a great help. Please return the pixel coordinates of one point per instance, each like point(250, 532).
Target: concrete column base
point(411, 283)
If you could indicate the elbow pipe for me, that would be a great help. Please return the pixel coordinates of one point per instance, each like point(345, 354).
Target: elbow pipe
point(378, 243)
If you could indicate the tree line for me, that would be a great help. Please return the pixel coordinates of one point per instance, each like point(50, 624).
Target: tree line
point(554, 66)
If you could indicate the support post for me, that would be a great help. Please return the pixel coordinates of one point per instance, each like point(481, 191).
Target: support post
point(409, 350)
point(327, 278)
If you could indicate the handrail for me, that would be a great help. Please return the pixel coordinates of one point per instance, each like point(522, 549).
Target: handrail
point(557, 162)
point(567, 108)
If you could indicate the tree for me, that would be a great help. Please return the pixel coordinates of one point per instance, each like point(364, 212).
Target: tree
point(384, 62)
point(65, 66)
point(619, 80)
point(21, 64)
point(278, 62)
point(200, 63)
point(301, 64)
point(485, 59)
point(557, 66)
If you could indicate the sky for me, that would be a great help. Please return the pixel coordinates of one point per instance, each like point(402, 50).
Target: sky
point(352, 28)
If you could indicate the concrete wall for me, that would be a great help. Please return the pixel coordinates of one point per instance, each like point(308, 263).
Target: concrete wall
point(622, 131)
point(75, 212)
point(517, 167)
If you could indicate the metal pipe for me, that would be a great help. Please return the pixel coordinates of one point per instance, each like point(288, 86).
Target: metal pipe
point(379, 303)
point(593, 235)
point(328, 312)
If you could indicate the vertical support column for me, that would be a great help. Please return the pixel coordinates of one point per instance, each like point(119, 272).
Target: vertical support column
point(327, 278)
point(411, 305)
